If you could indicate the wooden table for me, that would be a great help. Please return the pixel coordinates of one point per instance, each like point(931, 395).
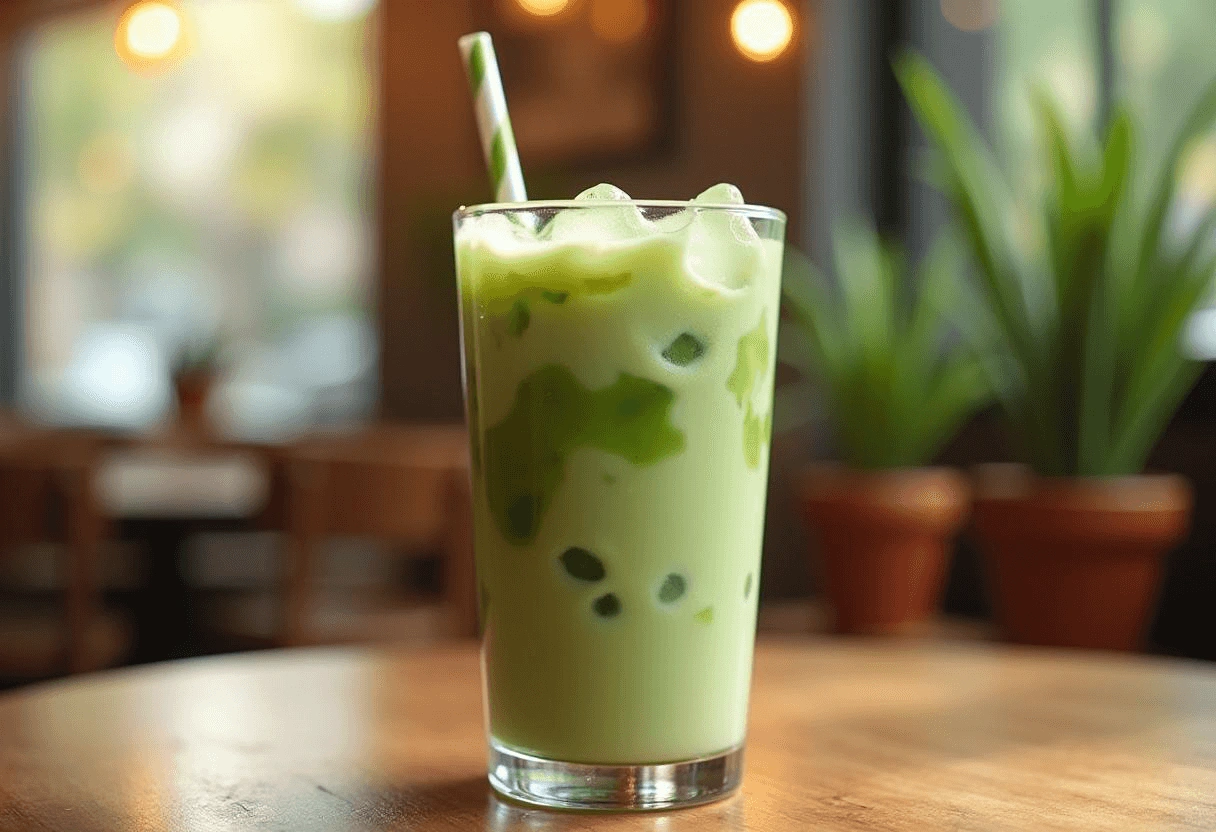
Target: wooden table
point(845, 735)
point(46, 495)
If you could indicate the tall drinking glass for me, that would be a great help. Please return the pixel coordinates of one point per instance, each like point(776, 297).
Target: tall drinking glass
point(618, 368)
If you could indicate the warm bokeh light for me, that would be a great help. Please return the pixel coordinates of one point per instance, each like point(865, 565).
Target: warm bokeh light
point(619, 21)
point(153, 30)
point(761, 29)
point(150, 33)
point(543, 8)
point(971, 15)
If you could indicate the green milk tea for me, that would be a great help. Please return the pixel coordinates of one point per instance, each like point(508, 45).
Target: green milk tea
point(619, 364)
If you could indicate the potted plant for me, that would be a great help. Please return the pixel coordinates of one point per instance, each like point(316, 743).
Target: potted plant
point(896, 391)
point(193, 378)
point(1088, 365)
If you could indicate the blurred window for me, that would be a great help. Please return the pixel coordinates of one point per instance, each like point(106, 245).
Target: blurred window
point(198, 182)
point(1042, 44)
point(1159, 54)
point(1163, 51)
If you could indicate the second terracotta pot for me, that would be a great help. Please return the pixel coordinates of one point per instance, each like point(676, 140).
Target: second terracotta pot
point(1077, 562)
point(884, 541)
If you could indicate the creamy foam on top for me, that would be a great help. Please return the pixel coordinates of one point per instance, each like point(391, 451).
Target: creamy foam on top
point(577, 247)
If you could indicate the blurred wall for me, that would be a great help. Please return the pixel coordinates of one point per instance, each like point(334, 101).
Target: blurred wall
point(734, 121)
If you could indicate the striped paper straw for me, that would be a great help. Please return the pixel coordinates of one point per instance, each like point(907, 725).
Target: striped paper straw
point(497, 139)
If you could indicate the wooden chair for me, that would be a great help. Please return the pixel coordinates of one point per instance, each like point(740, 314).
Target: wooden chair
point(403, 484)
point(47, 494)
point(164, 491)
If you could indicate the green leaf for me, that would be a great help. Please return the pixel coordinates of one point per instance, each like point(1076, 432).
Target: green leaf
point(1161, 376)
point(959, 391)
point(1083, 350)
point(810, 305)
point(1095, 287)
point(1024, 319)
point(1199, 121)
point(1000, 373)
point(919, 347)
point(1149, 416)
point(1059, 146)
point(1116, 159)
point(896, 384)
point(862, 272)
point(972, 180)
point(1097, 383)
point(1154, 309)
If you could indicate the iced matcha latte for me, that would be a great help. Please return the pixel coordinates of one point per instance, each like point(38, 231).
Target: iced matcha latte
point(619, 376)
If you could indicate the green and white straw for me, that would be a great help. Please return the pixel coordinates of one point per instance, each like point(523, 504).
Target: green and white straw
point(493, 121)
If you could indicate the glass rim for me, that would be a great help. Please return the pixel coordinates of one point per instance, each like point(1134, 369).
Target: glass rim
point(745, 209)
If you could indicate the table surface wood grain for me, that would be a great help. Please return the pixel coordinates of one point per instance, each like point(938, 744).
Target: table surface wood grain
point(845, 735)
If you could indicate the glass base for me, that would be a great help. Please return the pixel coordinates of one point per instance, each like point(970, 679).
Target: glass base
point(558, 785)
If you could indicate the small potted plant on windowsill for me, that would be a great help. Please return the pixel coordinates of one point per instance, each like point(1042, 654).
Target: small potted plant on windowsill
point(193, 378)
point(1088, 366)
point(896, 391)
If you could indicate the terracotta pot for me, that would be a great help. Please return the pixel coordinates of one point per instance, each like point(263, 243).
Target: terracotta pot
point(1078, 562)
point(884, 541)
point(192, 390)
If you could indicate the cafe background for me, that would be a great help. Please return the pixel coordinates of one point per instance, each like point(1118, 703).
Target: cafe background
point(258, 193)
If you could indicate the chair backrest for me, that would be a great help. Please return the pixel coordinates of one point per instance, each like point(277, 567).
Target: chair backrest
point(34, 480)
point(407, 485)
point(47, 493)
point(394, 483)
point(25, 494)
